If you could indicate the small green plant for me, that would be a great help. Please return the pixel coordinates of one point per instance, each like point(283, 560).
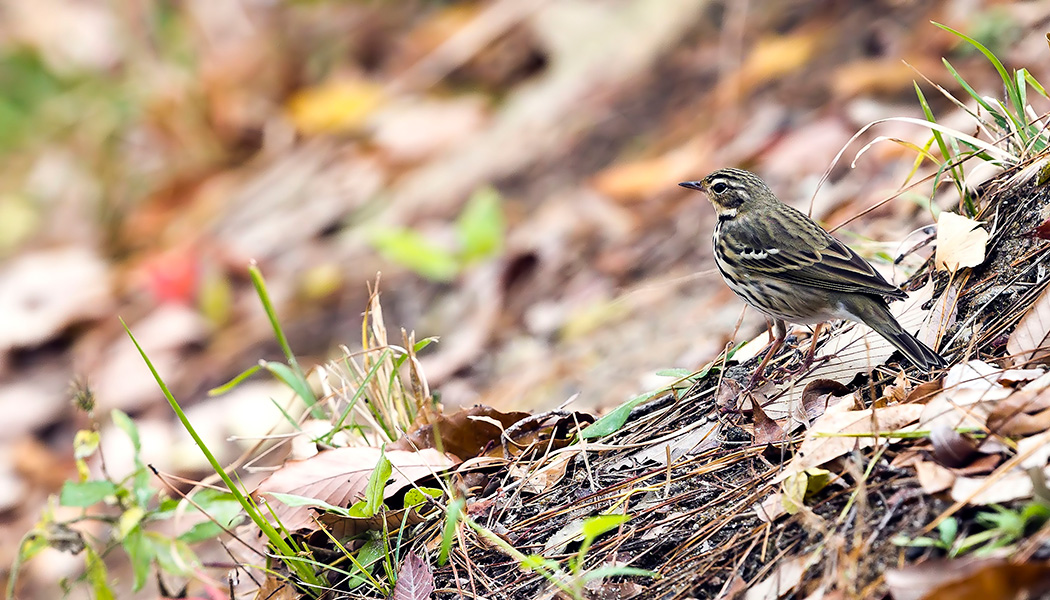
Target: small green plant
point(480, 230)
point(1001, 527)
point(127, 507)
point(570, 582)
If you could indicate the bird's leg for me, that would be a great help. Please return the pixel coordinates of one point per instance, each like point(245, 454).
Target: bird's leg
point(779, 331)
point(812, 347)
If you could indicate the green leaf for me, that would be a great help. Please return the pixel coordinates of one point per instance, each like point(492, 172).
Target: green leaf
point(538, 562)
point(173, 556)
point(124, 422)
point(988, 54)
point(947, 530)
point(95, 570)
point(295, 500)
point(595, 526)
point(129, 521)
point(140, 552)
point(290, 378)
point(229, 385)
point(224, 512)
point(377, 484)
point(372, 551)
point(613, 421)
point(676, 373)
point(417, 496)
point(481, 226)
point(453, 514)
point(410, 249)
point(85, 493)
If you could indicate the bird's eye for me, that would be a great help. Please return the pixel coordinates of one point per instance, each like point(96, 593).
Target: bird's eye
point(719, 187)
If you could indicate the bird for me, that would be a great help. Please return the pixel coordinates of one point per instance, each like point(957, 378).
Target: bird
point(785, 265)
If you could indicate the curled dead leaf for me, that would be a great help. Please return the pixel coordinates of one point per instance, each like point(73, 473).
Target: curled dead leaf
point(821, 394)
point(465, 433)
point(951, 448)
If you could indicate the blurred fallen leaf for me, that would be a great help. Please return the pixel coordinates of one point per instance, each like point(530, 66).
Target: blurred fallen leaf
point(44, 292)
point(634, 181)
point(1021, 414)
point(797, 488)
point(334, 106)
point(969, 579)
point(784, 578)
point(951, 448)
point(772, 56)
point(1030, 339)
point(933, 477)
point(960, 242)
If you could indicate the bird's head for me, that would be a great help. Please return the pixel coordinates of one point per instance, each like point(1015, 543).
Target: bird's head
point(732, 191)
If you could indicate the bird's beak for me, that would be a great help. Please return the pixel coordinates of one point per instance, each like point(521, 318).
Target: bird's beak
point(693, 185)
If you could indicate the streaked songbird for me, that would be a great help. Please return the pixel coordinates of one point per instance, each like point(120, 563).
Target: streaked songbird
point(791, 270)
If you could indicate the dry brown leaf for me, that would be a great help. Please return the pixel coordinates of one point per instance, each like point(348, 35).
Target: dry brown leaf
point(821, 394)
point(465, 433)
point(817, 450)
point(933, 477)
point(784, 578)
point(536, 433)
point(969, 579)
point(970, 391)
point(344, 527)
point(339, 477)
point(767, 431)
point(960, 242)
point(924, 392)
point(1021, 414)
point(1030, 339)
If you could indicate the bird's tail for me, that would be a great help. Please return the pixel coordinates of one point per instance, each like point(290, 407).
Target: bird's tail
point(874, 313)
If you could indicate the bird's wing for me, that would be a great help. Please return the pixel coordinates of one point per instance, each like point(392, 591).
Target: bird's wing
point(797, 250)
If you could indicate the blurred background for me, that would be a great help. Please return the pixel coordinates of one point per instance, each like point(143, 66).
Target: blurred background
point(509, 166)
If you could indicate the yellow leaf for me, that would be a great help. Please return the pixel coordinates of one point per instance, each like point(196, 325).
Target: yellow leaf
point(335, 106)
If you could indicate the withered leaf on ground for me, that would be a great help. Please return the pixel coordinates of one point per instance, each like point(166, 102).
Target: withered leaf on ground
point(554, 429)
point(1030, 339)
point(465, 433)
point(1021, 414)
point(821, 394)
point(414, 580)
point(339, 477)
point(818, 449)
point(969, 579)
point(767, 431)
